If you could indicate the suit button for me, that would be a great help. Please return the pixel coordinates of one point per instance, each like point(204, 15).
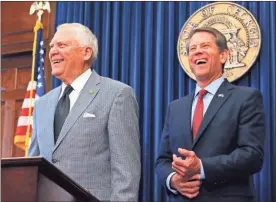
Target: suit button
point(54, 160)
point(215, 183)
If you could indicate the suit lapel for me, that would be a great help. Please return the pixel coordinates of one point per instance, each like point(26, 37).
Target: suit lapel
point(218, 100)
point(86, 96)
point(182, 124)
point(49, 111)
point(186, 125)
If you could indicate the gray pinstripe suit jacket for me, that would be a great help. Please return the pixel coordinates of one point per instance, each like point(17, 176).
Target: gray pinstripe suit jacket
point(101, 153)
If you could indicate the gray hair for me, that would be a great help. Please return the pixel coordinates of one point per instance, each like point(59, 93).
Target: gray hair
point(84, 37)
point(219, 37)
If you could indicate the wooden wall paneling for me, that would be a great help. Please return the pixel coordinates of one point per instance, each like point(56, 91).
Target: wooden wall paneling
point(2, 122)
point(9, 128)
point(7, 78)
point(11, 105)
point(17, 43)
point(16, 71)
point(16, 74)
point(17, 26)
point(17, 31)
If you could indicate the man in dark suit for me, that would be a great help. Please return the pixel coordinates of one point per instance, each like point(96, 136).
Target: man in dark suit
point(213, 139)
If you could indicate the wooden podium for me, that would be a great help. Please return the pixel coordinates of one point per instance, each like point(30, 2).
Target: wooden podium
point(35, 179)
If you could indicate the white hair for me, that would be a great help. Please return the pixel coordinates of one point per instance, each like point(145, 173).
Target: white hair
point(84, 36)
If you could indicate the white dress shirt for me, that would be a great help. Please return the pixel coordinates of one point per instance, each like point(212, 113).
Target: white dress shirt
point(77, 86)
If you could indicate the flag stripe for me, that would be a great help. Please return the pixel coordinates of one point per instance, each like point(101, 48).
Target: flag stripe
point(27, 102)
point(30, 86)
point(25, 111)
point(24, 120)
point(21, 130)
point(28, 93)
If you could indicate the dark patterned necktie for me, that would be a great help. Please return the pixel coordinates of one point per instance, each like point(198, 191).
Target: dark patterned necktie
point(62, 110)
point(198, 114)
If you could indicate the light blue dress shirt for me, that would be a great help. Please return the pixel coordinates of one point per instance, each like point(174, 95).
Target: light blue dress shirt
point(211, 91)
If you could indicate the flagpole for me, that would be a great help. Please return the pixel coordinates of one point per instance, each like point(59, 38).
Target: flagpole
point(39, 7)
point(38, 25)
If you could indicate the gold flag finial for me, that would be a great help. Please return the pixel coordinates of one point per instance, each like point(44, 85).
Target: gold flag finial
point(40, 6)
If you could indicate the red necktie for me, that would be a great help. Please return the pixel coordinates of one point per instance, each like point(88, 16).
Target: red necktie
point(198, 114)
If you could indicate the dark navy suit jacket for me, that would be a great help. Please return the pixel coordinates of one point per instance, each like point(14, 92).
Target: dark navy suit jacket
point(230, 142)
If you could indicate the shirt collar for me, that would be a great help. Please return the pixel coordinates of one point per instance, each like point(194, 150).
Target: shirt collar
point(212, 87)
point(79, 82)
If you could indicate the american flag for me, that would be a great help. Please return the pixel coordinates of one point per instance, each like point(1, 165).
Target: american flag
point(35, 89)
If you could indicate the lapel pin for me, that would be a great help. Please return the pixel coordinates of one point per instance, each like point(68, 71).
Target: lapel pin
point(221, 95)
point(91, 92)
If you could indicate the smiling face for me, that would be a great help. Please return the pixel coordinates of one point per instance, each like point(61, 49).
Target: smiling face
point(205, 59)
point(68, 58)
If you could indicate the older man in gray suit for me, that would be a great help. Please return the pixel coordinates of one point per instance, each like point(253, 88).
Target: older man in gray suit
point(88, 127)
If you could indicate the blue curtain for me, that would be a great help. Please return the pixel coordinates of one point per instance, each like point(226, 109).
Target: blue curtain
point(137, 45)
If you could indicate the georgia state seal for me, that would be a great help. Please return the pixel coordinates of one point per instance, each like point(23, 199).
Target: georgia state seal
point(238, 26)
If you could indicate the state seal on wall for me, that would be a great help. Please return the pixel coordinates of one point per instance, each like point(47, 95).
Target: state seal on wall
point(240, 28)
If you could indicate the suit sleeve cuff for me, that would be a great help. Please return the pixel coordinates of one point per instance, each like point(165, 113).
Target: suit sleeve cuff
point(168, 184)
point(202, 174)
